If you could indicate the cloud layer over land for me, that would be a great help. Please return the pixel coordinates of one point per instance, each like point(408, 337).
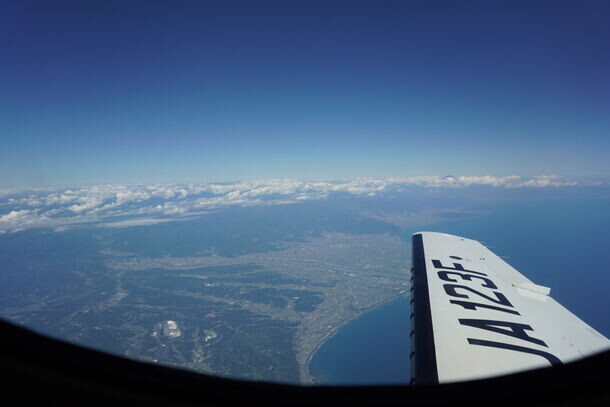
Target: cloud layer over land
point(132, 205)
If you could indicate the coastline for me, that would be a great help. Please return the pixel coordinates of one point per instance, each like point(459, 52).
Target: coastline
point(306, 378)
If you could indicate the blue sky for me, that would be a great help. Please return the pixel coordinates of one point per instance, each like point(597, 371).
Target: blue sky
point(165, 92)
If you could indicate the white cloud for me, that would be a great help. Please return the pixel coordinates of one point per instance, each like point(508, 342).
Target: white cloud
point(137, 222)
point(131, 205)
point(14, 216)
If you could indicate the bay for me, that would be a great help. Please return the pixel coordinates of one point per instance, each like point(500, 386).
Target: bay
point(371, 349)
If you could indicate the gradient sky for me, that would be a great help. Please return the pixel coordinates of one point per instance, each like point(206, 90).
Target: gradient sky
point(177, 91)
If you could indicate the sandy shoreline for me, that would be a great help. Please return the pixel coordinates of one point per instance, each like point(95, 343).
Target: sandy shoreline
point(306, 377)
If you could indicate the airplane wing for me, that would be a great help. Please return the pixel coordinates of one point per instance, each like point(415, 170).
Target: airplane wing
point(474, 316)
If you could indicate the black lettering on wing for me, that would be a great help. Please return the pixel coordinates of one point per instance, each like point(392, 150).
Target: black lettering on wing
point(474, 305)
point(487, 283)
point(456, 266)
point(451, 289)
point(552, 359)
point(512, 329)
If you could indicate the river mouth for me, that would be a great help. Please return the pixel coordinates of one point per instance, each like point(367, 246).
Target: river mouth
point(371, 349)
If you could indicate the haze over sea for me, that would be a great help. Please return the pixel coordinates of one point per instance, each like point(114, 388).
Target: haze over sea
point(558, 242)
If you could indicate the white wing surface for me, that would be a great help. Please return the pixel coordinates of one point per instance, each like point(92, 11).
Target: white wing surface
point(474, 316)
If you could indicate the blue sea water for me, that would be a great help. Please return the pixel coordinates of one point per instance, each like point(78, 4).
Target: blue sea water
point(358, 352)
point(562, 244)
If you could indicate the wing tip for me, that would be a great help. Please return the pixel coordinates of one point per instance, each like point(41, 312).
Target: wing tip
point(428, 233)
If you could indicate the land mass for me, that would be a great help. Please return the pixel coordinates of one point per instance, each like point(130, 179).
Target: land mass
point(315, 285)
point(258, 315)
